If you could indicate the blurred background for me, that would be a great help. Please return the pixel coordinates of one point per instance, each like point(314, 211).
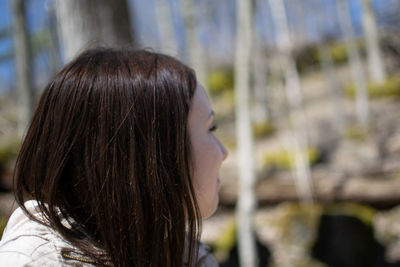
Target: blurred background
point(307, 101)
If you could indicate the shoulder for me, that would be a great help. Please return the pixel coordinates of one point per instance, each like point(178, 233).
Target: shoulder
point(206, 259)
point(22, 248)
point(26, 242)
point(204, 256)
point(28, 250)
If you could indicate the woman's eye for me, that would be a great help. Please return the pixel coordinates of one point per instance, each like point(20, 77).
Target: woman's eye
point(213, 128)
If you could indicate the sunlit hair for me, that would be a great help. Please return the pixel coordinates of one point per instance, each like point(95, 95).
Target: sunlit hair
point(109, 150)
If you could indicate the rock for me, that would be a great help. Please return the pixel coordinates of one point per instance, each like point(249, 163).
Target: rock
point(352, 156)
point(289, 230)
point(371, 190)
point(387, 231)
point(393, 144)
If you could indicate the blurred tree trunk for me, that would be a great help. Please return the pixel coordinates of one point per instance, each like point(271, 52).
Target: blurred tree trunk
point(86, 23)
point(362, 105)
point(246, 198)
point(259, 73)
point(22, 54)
point(375, 63)
point(298, 139)
point(166, 27)
point(328, 67)
point(194, 47)
point(54, 45)
point(299, 31)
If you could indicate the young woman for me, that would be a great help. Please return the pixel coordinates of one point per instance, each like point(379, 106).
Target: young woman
point(118, 167)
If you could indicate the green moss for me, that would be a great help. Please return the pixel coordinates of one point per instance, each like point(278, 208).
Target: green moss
point(364, 213)
point(3, 223)
point(308, 262)
point(219, 81)
point(308, 56)
point(356, 133)
point(294, 212)
point(263, 129)
point(226, 241)
point(295, 224)
point(8, 149)
point(283, 159)
point(388, 89)
point(339, 52)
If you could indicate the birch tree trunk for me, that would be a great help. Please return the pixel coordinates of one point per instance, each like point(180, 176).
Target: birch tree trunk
point(246, 197)
point(55, 61)
point(328, 68)
point(362, 105)
point(298, 139)
point(165, 27)
point(259, 72)
point(194, 47)
point(375, 64)
point(299, 34)
point(22, 55)
point(82, 24)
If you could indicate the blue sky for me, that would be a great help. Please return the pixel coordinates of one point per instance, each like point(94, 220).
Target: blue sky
point(36, 19)
point(217, 32)
point(6, 69)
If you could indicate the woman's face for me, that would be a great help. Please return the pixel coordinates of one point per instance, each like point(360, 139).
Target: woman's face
point(208, 153)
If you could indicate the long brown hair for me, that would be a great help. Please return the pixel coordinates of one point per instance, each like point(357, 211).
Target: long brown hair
point(108, 149)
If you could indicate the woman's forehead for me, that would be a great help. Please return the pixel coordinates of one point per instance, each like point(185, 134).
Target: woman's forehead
point(200, 103)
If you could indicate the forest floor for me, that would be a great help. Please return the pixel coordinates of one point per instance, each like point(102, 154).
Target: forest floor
point(353, 164)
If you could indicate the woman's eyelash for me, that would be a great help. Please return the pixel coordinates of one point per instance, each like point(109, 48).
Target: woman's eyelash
point(213, 128)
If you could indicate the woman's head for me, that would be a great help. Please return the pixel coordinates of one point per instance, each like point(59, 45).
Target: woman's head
point(109, 147)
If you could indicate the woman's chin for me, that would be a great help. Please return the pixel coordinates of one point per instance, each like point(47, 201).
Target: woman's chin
point(211, 210)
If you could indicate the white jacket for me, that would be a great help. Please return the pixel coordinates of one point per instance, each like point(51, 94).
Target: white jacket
point(29, 243)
